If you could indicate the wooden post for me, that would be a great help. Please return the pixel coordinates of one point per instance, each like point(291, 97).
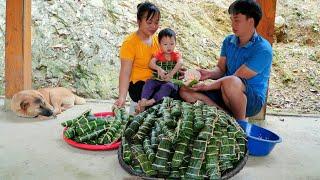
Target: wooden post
point(266, 30)
point(266, 25)
point(17, 47)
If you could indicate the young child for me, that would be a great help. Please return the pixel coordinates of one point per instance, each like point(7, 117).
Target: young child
point(155, 89)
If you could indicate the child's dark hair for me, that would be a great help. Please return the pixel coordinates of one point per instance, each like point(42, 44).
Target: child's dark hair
point(167, 32)
point(249, 8)
point(148, 7)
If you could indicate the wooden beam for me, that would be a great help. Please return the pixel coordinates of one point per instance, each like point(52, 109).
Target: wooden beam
point(266, 30)
point(17, 47)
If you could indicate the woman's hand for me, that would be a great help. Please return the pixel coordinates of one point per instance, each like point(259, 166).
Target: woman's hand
point(124, 79)
point(120, 102)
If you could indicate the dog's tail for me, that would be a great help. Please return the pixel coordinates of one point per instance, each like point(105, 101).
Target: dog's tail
point(79, 100)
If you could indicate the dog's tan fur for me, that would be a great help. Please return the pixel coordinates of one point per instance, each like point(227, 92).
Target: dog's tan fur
point(44, 102)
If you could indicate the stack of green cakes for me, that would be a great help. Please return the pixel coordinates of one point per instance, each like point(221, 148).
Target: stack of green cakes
point(181, 140)
point(89, 129)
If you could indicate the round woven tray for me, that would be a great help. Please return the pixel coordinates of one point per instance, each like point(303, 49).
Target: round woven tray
point(225, 175)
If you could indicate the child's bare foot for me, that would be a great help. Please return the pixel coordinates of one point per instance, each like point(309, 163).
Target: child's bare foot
point(143, 103)
point(149, 102)
point(139, 107)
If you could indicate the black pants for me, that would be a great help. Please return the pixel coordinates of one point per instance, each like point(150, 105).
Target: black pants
point(135, 90)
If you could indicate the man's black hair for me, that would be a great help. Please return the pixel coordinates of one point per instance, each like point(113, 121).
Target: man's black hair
point(249, 8)
point(148, 7)
point(167, 32)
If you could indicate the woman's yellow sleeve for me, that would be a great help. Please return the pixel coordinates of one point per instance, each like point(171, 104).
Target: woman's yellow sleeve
point(127, 51)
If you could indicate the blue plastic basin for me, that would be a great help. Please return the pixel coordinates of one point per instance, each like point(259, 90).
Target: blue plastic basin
point(260, 140)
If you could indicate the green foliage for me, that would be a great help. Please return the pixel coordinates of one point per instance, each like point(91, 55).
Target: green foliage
point(279, 65)
point(314, 57)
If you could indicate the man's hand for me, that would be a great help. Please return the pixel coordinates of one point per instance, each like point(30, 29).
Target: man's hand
point(200, 87)
point(205, 74)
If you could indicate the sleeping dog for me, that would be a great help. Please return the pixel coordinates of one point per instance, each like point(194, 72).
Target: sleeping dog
point(44, 102)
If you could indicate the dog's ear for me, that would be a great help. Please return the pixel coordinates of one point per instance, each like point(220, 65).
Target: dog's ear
point(24, 105)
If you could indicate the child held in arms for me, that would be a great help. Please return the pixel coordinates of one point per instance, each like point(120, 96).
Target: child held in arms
point(166, 63)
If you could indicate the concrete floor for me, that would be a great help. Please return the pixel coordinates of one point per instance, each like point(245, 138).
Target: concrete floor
point(34, 149)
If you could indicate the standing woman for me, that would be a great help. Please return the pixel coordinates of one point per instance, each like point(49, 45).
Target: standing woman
point(136, 52)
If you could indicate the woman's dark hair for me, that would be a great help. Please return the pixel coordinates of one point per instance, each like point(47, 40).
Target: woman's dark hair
point(249, 8)
point(148, 7)
point(167, 32)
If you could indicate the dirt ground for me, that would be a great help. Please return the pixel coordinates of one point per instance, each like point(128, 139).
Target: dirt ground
point(295, 81)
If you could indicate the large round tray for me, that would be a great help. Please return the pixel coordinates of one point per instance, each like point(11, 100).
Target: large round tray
point(225, 175)
point(104, 147)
